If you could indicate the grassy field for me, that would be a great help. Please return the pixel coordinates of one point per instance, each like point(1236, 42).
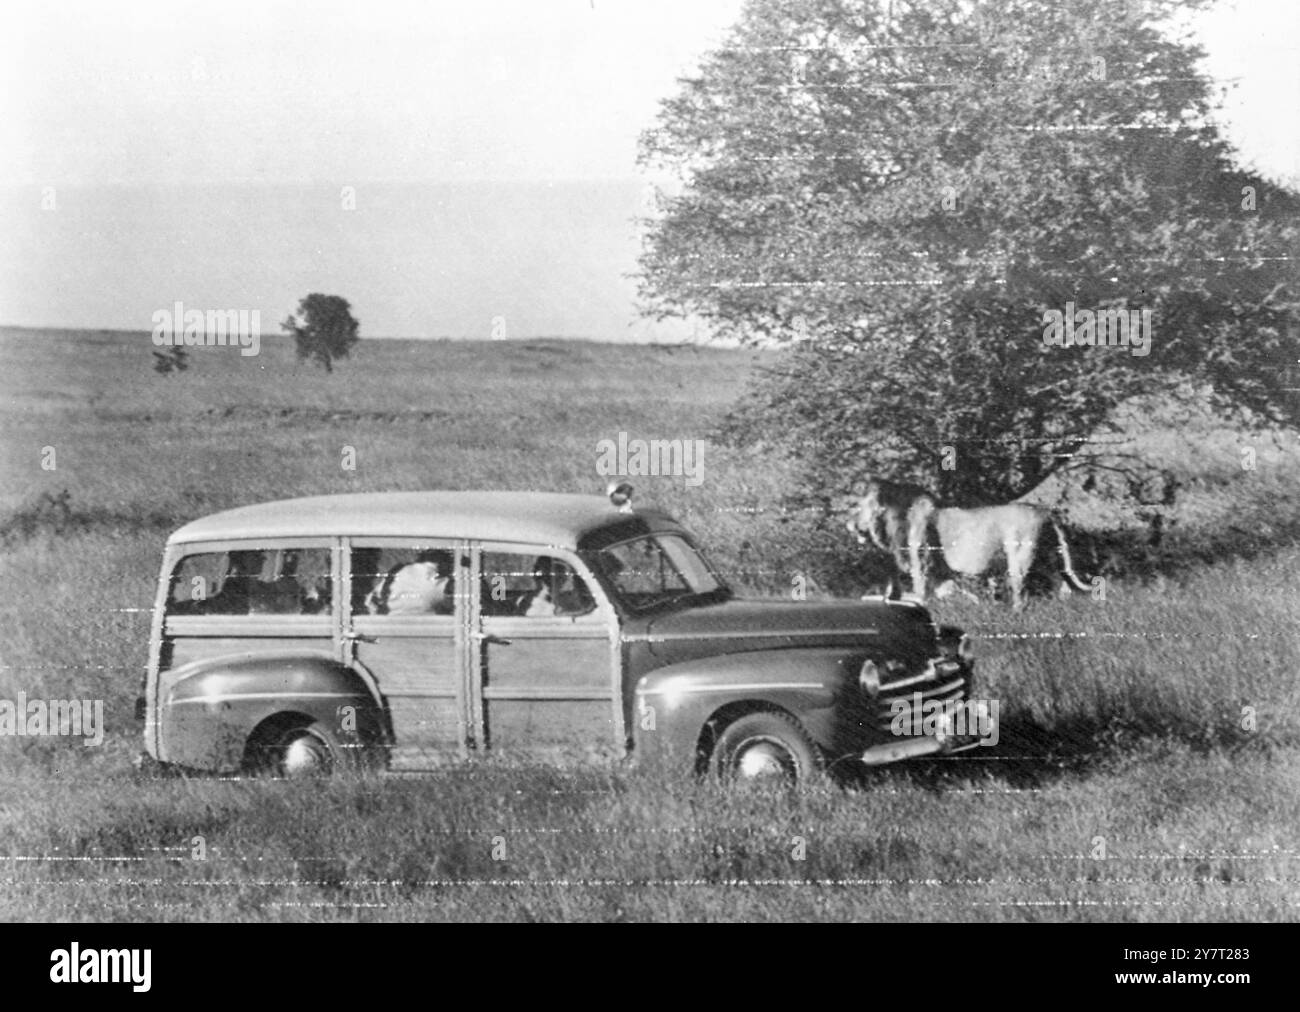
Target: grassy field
point(1149, 766)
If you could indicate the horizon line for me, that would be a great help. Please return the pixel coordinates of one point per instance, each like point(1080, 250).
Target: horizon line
point(277, 335)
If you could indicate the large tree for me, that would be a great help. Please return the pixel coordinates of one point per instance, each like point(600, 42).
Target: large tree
point(323, 329)
point(903, 192)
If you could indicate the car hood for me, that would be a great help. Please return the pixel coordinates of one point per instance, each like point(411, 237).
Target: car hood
point(898, 628)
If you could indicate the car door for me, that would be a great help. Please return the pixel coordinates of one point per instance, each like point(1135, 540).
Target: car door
point(545, 675)
point(405, 625)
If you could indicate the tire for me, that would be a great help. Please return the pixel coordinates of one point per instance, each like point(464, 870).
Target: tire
point(759, 746)
point(302, 752)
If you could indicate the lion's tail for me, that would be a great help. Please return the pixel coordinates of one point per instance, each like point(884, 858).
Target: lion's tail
point(1066, 564)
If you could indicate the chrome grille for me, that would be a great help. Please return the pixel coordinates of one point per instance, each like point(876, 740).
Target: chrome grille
point(944, 681)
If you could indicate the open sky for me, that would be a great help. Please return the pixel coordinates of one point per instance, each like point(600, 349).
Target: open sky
point(199, 151)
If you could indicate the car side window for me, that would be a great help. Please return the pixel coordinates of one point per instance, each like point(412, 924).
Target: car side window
point(532, 586)
point(411, 580)
point(271, 581)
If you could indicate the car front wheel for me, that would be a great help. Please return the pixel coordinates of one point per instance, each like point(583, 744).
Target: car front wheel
point(765, 746)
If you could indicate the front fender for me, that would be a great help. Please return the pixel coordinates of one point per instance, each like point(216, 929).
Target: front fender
point(209, 708)
point(818, 686)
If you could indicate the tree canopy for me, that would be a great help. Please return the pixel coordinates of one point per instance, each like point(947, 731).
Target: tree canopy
point(907, 195)
point(323, 329)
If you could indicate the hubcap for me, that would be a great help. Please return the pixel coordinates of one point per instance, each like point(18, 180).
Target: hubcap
point(304, 756)
point(763, 758)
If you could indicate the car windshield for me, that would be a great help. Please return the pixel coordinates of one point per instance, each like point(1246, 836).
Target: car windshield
point(656, 571)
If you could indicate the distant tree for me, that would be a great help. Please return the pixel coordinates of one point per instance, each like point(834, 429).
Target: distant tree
point(323, 329)
point(902, 191)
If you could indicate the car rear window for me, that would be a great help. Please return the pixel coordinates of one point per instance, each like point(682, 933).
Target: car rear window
point(273, 581)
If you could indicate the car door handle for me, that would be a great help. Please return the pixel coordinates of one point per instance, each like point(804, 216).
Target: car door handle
point(483, 637)
point(352, 636)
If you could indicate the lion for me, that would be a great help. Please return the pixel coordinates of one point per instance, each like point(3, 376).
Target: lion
point(907, 522)
point(895, 516)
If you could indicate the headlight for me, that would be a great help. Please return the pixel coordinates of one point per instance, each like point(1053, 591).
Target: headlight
point(869, 677)
point(966, 648)
point(955, 644)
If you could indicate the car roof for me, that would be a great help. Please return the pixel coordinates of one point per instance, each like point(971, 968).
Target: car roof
point(549, 518)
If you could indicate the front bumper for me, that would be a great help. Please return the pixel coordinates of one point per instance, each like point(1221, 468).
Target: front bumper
point(912, 748)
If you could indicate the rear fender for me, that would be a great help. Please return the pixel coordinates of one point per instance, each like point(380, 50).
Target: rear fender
point(212, 707)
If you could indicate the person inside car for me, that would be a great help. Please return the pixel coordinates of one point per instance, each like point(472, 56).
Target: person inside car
point(557, 590)
point(293, 593)
point(417, 588)
point(239, 588)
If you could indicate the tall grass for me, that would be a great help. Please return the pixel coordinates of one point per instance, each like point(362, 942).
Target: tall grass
point(1164, 834)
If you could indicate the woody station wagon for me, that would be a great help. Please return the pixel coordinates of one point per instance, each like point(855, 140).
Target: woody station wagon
point(403, 630)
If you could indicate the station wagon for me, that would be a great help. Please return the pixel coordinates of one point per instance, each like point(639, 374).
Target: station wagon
point(405, 630)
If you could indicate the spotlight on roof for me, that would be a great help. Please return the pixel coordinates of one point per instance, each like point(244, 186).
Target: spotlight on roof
point(620, 494)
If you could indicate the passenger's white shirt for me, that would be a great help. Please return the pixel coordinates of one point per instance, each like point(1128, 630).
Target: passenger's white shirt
point(418, 590)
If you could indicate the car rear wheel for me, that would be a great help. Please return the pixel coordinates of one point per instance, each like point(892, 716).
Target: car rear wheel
point(300, 752)
point(765, 746)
